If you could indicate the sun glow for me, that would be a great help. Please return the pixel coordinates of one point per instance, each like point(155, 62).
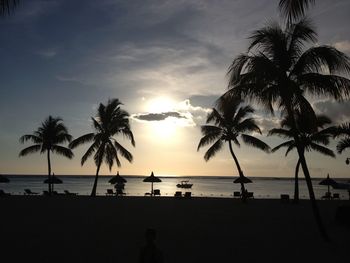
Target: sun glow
point(161, 104)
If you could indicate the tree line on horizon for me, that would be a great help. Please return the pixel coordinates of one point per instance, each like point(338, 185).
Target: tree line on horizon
point(276, 72)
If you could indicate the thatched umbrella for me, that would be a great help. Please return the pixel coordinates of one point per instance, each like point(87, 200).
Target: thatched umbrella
point(53, 180)
point(152, 179)
point(328, 181)
point(242, 180)
point(4, 179)
point(117, 179)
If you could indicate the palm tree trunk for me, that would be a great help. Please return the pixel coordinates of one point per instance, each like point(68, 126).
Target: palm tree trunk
point(93, 192)
point(306, 172)
point(240, 172)
point(49, 170)
point(296, 184)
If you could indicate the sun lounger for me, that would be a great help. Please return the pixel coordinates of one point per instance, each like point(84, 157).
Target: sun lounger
point(120, 192)
point(109, 192)
point(69, 193)
point(156, 192)
point(236, 194)
point(188, 195)
point(250, 195)
point(178, 194)
point(336, 196)
point(148, 194)
point(29, 192)
point(327, 195)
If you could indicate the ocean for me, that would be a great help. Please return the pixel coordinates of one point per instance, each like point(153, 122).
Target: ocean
point(203, 186)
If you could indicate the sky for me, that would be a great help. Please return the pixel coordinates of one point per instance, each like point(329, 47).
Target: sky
point(166, 61)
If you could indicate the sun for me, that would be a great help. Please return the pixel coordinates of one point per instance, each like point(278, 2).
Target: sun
point(161, 104)
point(163, 129)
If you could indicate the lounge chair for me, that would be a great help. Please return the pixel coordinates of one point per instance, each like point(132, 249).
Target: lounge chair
point(336, 196)
point(250, 195)
point(29, 192)
point(69, 193)
point(188, 195)
point(148, 194)
point(46, 193)
point(156, 192)
point(236, 194)
point(3, 193)
point(109, 192)
point(327, 195)
point(285, 198)
point(120, 192)
point(178, 194)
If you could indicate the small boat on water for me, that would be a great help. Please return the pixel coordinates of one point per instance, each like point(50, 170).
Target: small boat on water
point(184, 184)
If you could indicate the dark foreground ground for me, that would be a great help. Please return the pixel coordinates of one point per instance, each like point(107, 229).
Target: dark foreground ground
point(109, 229)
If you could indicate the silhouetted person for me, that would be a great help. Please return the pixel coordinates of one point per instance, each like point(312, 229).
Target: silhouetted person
point(150, 253)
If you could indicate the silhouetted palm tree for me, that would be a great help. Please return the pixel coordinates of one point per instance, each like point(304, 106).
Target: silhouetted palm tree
point(343, 130)
point(277, 71)
point(47, 138)
point(7, 6)
point(310, 139)
point(294, 9)
point(111, 120)
point(230, 123)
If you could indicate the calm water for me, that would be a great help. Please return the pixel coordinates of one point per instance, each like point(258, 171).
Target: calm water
point(202, 186)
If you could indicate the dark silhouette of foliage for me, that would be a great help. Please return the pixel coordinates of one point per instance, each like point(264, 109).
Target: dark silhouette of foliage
point(277, 71)
point(47, 138)
point(111, 120)
point(230, 122)
point(8, 6)
point(293, 10)
point(311, 139)
point(343, 131)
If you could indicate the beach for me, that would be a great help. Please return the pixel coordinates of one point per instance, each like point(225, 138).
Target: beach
point(110, 229)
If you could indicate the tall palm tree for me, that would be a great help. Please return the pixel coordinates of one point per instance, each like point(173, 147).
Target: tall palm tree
point(229, 123)
point(111, 120)
point(7, 6)
point(47, 138)
point(293, 10)
point(343, 130)
point(310, 139)
point(277, 71)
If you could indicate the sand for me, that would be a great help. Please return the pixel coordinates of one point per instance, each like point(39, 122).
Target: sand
point(110, 229)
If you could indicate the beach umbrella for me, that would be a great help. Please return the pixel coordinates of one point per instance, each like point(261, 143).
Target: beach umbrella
point(4, 179)
point(53, 180)
point(242, 180)
point(117, 179)
point(152, 179)
point(328, 181)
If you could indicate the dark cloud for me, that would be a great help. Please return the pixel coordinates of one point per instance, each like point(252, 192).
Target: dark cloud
point(158, 116)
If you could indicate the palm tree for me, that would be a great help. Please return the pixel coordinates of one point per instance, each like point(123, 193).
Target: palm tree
point(310, 139)
point(230, 123)
point(277, 71)
point(294, 9)
point(47, 138)
point(111, 120)
point(7, 6)
point(343, 130)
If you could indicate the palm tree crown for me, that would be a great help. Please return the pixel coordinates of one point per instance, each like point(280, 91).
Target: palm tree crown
point(229, 123)
point(7, 6)
point(309, 138)
point(47, 138)
point(111, 120)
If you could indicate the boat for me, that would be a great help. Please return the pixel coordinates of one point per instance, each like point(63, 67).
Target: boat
point(184, 184)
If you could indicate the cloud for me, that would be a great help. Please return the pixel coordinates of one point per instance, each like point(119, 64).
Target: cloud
point(338, 112)
point(343, 46)
point(158, 116)
point(184, 114)
point(47, 53)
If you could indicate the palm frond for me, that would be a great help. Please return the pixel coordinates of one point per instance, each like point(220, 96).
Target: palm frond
point(8, 6)
point(248, 125)
point(280, 132)
point(30, 137)
point(123, 151)
point(63, 151)
point(211, 134)
point(255, 142)
point(213, 150)
point(81, 140)
point(343, 145)
point(323, 150)
point(284, 144)
point(30, 149)
point(292, 10)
